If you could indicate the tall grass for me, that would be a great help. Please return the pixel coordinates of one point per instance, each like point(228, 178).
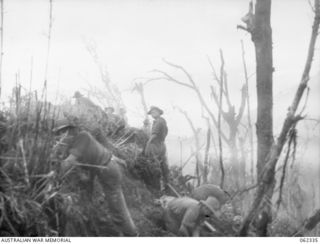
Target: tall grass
point(33, 200)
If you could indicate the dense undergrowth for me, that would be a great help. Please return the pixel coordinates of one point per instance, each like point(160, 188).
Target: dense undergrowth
point(34, 201)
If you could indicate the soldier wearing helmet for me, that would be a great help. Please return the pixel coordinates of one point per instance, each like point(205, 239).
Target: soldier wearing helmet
point(184, 216)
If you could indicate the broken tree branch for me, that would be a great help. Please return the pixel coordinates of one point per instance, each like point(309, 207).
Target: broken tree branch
point(248, 109)
point(197, 143)
point(219, 121)
point(192, 85)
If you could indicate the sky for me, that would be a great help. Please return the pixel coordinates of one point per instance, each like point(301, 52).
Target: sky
point(133, 36)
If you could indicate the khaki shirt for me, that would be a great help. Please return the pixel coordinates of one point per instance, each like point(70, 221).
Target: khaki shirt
point(88, 150)
point(209, 190)
point(160, 130)
point(186, 212)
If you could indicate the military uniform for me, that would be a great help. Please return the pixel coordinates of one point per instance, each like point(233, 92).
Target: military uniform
point(86, 150)
point(157, 147)
point(184, 215)
point(210, 190)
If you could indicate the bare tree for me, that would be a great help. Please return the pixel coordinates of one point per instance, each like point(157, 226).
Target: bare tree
point(191, 84)
point(48, 48)
point(206, 155)
point(231, 118)
point(139, 87)
point(111, 93)
point(258, 25)
point(267, 173)
point(197, 144)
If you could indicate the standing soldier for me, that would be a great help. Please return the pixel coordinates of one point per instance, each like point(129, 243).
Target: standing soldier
point(155, 147)
point(86, 152)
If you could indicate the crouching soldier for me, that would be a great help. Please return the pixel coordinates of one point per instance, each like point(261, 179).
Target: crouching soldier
point(86, 152)
point(184, 216)
point(210, 190)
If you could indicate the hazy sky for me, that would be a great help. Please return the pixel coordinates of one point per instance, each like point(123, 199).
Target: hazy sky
point(132, 36)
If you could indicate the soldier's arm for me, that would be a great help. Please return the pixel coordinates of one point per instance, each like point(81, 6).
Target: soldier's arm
point(189, 222)
point(67, 164)
point(157, 129)
point(71, 159)
point(152, 137)
point(80, 144)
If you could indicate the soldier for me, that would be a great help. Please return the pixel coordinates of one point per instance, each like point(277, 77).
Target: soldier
point(184, 216)
point(210, 190)
point(88, 153)
point(155, 147)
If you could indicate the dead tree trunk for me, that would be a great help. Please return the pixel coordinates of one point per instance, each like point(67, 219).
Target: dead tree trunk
point(258, 24)
point(146, 123)
point(206, 156)
point(267, 177)
point(219, 122)
point(197, 145)
point(230, 117)
point(262, 38)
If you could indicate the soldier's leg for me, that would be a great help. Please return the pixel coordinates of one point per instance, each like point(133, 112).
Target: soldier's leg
point(165, 168)
point(164, 173)
point(171, 223)
point(110, 180)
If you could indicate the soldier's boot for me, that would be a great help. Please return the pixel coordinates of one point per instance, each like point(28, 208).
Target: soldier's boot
point(164, 177)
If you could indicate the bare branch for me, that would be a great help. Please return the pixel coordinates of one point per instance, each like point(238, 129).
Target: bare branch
point(243, 104)
point(140, 89)
point(194, 87)
point(219, 121)
point(197, 142)
point(206, 156)
point(226, 89)
point(248, 109)
point(309, 224)
point(285, 168)
point(170, 78)
point(240, 192)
